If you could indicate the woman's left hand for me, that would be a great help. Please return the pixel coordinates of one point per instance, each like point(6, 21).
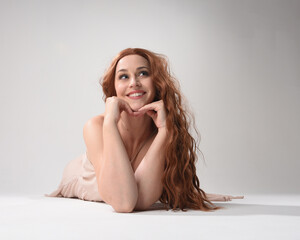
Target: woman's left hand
point(156, 110)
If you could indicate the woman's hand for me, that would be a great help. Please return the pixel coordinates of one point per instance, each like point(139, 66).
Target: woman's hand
point(222, 198)
point(113, 108)
point(156, 110)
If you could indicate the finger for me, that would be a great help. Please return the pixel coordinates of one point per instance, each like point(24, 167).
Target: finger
point(137, 114)
point(145, 109)
point(150, 106)
point(127, 108)
point(151, 114)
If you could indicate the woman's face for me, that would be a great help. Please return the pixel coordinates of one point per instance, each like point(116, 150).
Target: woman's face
point(133, 82)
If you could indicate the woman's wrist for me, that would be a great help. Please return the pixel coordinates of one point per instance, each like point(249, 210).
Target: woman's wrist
point(109, 120)
point(162, 130)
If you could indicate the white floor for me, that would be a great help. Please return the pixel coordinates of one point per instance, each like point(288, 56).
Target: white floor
point(255, 217)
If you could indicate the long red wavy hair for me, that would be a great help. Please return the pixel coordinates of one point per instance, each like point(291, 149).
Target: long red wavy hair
point(181, 188)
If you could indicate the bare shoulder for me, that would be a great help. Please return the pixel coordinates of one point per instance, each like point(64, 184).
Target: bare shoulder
point(93, 138)
point(95, 120)
point(93, 127)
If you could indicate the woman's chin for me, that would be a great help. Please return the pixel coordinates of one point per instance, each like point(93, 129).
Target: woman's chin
point(136, 107)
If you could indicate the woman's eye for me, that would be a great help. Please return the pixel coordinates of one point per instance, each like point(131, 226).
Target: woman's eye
point(144, 73)
point(123, 76)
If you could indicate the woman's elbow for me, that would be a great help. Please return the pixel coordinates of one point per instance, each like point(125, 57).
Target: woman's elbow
point(124, 209)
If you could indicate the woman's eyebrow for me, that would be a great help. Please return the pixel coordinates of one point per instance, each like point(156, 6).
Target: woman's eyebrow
point(124, 70)
point(141, 67)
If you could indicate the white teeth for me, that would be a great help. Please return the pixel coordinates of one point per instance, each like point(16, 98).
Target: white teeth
point(136, 94)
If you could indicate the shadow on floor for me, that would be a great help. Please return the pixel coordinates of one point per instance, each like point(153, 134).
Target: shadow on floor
point(230, 209)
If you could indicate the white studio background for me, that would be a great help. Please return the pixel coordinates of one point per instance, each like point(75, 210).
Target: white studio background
point(237, 62)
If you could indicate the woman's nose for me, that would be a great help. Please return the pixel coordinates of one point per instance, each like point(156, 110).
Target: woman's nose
point(134, 81)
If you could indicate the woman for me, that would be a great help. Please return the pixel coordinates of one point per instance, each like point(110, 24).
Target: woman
point(140, 150)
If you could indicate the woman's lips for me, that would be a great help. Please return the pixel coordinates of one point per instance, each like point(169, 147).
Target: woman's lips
point(136, 95)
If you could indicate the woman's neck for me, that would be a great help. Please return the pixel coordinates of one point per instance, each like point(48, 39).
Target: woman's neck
point(135, 130)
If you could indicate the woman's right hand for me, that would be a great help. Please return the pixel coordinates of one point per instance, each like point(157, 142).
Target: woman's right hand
point(114, 106)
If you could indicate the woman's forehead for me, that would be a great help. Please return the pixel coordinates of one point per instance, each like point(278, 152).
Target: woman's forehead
point(132, 61)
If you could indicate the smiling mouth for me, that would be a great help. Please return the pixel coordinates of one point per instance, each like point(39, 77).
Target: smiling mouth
point(136, 94)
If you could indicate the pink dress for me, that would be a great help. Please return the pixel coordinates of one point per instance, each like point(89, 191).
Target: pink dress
point(78, 181)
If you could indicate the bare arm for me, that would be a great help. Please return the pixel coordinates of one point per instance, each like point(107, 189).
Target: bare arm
point(117, 184)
